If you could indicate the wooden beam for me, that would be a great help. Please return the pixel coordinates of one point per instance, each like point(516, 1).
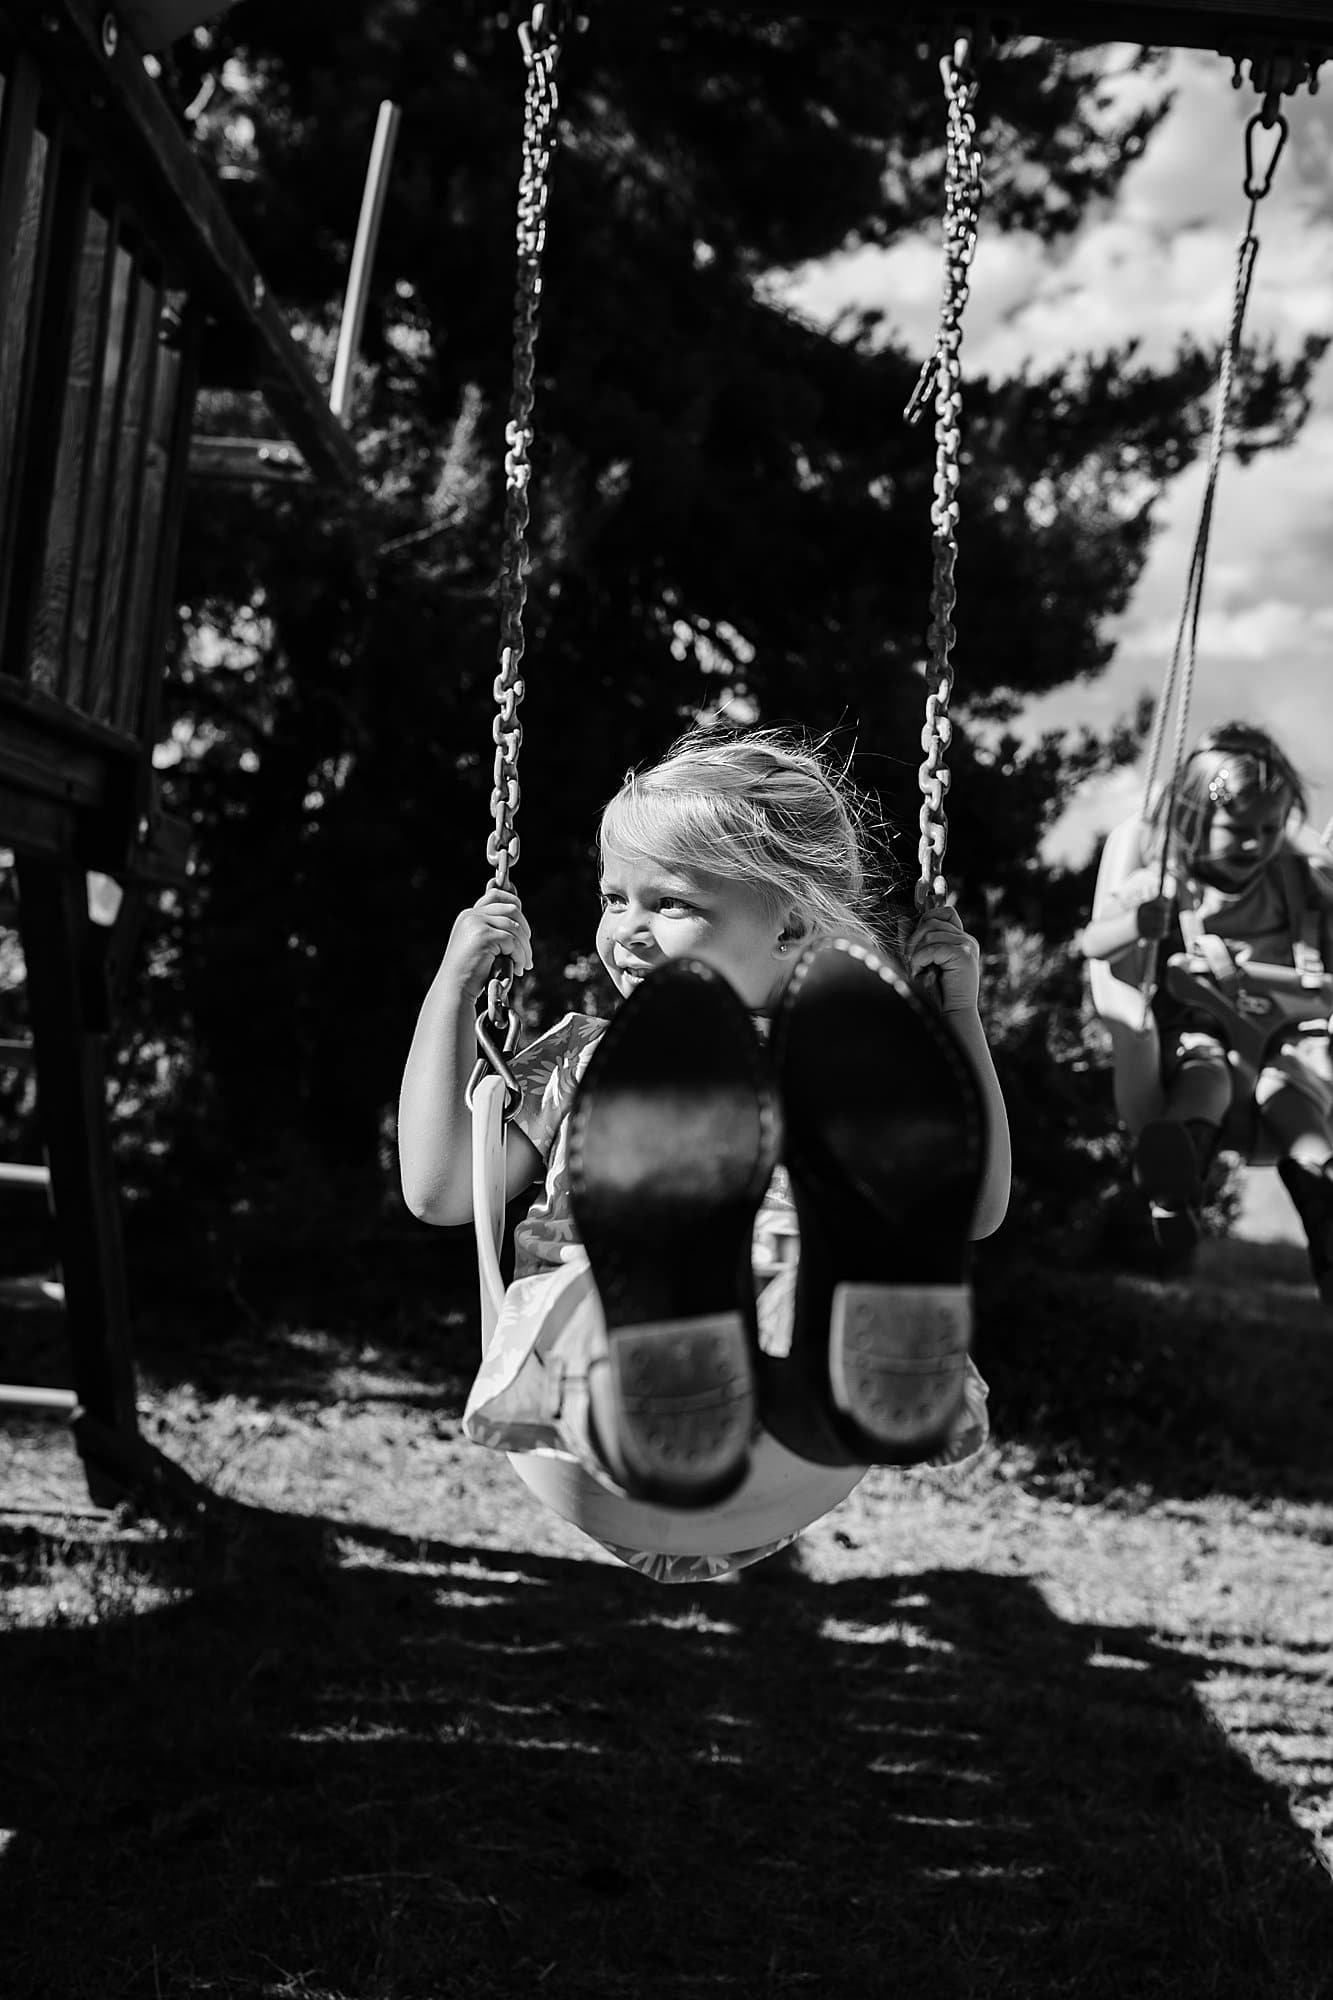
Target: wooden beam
point(47, 750)
point(154, 23)
point(101, 79)
point(71, 1102)
point(245, 459)
point(34, 825)
point(54, 749)
point(162, 606)
point(71, 786)
point(27, 193)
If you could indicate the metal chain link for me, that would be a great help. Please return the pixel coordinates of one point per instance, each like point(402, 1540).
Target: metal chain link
point(540, 42)
point(942, 373)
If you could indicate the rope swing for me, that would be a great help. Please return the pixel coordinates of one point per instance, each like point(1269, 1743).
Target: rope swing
point(1178, 685)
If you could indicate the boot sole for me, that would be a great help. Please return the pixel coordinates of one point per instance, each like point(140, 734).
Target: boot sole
point(886, 1137)
point(672, 1142)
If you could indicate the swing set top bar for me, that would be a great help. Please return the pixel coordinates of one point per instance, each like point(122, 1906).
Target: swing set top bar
point(1234, 27)
point(1230, 25)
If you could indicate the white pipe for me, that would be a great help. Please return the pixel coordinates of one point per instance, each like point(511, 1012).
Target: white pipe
point(363, 256)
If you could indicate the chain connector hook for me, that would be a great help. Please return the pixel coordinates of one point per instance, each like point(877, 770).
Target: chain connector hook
point(494, 1060)
point(544, 31)
point(1256, 186)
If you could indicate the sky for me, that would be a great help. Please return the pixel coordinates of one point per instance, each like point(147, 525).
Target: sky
point(1157, 263)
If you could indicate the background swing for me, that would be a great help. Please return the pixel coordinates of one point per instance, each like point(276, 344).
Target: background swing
point(1256, 1005)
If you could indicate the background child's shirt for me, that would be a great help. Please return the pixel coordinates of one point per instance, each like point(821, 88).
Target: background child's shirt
point(1270, 914)
point(1258, 916)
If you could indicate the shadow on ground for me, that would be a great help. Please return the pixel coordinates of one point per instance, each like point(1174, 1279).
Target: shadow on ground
point(332, 1762)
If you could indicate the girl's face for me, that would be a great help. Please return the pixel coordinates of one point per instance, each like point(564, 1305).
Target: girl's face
point(1243, 836)
point(652, 912)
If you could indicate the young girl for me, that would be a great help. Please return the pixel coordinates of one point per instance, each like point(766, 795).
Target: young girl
point(712, 1395)
point(1241, 866)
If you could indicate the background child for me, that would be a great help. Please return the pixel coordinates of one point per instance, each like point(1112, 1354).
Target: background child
point(737, 857)
point(1241, 866)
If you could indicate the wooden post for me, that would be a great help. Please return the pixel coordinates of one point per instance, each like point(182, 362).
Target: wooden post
point(71, 1099)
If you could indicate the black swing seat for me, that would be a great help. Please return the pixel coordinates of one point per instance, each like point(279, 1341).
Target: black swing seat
point(1256, 1005)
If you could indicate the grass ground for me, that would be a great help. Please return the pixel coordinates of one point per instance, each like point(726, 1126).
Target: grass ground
point(390, 1733)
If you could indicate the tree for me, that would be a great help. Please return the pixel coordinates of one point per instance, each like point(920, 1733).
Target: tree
point(727, 498)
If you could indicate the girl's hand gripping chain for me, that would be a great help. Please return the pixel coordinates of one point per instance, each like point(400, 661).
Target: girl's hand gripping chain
point(939, 941)
point(434, 1121)
point(494, 927)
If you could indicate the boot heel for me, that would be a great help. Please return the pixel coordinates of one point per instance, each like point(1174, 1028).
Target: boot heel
point(679, 1406)
point(898, 1362)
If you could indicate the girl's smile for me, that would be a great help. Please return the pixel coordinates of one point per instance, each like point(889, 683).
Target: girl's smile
point(652, 912)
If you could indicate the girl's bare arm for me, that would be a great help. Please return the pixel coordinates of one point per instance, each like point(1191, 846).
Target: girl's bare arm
point(434, 1123)
point(940, 942)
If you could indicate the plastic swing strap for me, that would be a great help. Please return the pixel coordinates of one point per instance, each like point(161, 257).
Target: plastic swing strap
point(492, 1093)
point(488, 1195)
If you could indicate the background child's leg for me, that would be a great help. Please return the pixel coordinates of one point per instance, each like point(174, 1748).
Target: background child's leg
point(1295, 1099)
point(1198, 1087)
point(1173, 1153)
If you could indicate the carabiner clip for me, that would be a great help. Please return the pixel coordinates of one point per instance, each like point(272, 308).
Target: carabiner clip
point(494, 1060)
point(1255, 190)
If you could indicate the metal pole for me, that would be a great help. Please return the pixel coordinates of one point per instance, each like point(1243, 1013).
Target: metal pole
point(363, 256)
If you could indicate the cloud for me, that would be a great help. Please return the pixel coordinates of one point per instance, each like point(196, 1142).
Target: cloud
point(1156, 265)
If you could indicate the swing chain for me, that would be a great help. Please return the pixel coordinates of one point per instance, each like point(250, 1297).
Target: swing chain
point(942, 373)
point(540, 43)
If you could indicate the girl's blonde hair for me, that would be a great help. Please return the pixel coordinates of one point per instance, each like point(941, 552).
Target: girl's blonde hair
point(764, 809)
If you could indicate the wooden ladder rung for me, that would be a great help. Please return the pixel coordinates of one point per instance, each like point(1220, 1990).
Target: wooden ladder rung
point(20, 1396)
point(16, 1054)
point(13, 1173)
